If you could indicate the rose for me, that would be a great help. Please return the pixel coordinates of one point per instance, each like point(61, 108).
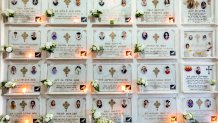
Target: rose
point(97, 114)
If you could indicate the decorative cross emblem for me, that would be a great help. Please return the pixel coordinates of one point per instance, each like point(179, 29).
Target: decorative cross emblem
point(66, 71)
point(155, 2)
point(23, 105)
point(209, 69)
point(66, 105)
point(197, 37)
point(67, 37)
point(157, 105)
point(24, 35)
point(25, 2)
point(67, 2)
point(112, 71)
point(156, 71)
point(24, 70)
point(112, 35)
point(112, 102)
point(199, 102)
point(196, 4)
point(156, 37)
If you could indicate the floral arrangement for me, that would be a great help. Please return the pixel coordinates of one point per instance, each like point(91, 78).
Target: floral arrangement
point(96, 49)
point(189, 117)
point(96, 13)
point(138, 48)
point(8, 13)
point(46, 119)
point(7, 49)
point(49, 13)
point(49, 47)
point(4, 118)
point(96, 116)
point(142, 82)
point(139, 14)
point(8, 84)
point(212, 82)
point(95, 84)
point(47, 83)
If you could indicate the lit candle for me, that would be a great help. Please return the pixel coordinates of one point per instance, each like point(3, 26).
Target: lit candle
point(123, 88)
point(26, 121)
point(24, 90)
point(85, 90)
point(173, 119)
point(30, 56)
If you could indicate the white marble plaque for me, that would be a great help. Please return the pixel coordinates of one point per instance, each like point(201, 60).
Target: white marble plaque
point(112, 76)
point(156, 109)
point(117, 10)
point(70, 43)
point(198, 11)
point(114, 41)
point(162, 12)
point(23, 110)
point(25, 43)
point(27, 76)
point(118, 109)
point(26, 11)
point(67, 78)
point(157, 43)
point(203, 108)
point(196, 77)
point(67, 110)
point(69, 11)
point(160, 77)
point(198, 44)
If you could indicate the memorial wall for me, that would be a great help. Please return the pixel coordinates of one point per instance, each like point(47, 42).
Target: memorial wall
point(109, 61)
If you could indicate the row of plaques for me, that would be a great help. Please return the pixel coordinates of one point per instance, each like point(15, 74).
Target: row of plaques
point(117, 43)
point(155, 11)
point(111, 77)
point(119, 109)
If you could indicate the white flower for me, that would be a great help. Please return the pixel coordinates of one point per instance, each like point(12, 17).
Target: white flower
point(9, 49)
point(49, 11)
point(7, 117)
point(6, 13)
point(49, 82)
point(10, 11)
point(188, 116)
point(48, 45)
point(94, 48)
point(98, 48)
point(10, 84)
point(49, 116)
point(95, 83)
point(97, 114)
point(47, 119)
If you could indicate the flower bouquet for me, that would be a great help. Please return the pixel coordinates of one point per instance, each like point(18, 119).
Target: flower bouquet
point(47, 119)
point(96, 116)
point(49, 47)
point(142, 82)
point(95, 13)
point(189, 117)
point(8, 14)
point(95, 85)
point(4, 118)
